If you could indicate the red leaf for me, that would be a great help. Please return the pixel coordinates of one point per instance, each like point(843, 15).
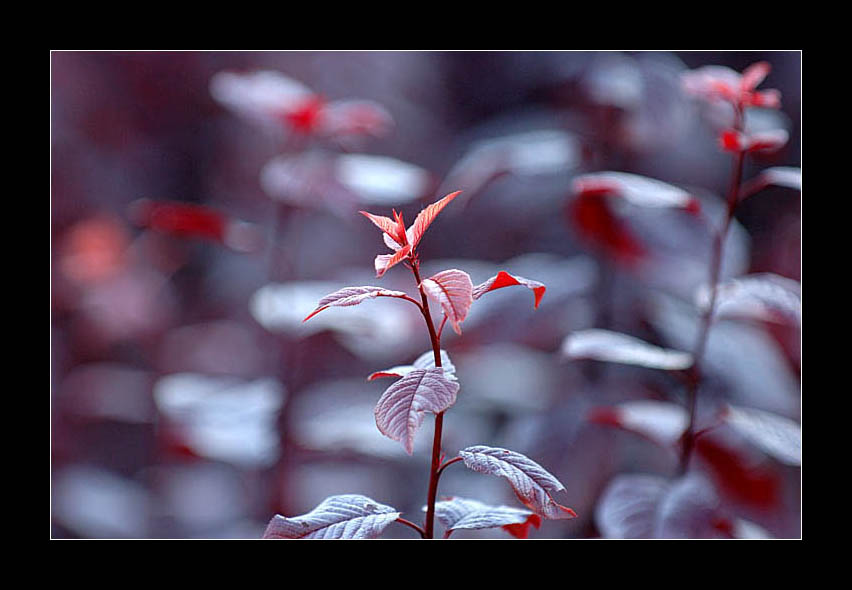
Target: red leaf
point(521, 531)
point(754, 485)
point(427, 215)
point(195, 221)
point(306, 115)
point(532, 484)
point(453, 289)
point(400, 410)
point(387, 225)
point(504, 279)
point(594, 221)
point(735, 141)
point(352, 296)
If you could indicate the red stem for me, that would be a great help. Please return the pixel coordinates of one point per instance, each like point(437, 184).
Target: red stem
point(694, 374)
point(434, 473)
point(408, 523)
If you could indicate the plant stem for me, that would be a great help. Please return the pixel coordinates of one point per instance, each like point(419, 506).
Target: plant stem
point(434, 472)
point(408, 523)
point(694, 375)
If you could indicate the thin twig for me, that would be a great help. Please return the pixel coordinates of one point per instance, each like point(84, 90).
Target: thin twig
point(700, 347)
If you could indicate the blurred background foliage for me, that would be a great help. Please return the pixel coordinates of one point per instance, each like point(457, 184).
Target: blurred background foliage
point(187, 399)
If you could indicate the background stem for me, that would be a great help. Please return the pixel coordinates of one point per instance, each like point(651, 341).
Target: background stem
point(694, 375)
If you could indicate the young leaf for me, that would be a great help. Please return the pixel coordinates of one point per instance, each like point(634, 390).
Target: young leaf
point(662, 422)
point(453, 289)
point(390, 227)
point(636, 190)
point(385, 262)
point(352, 296)
point(463, 513)
point(759, 296)
point(349, 516)
point(427, 215)
point(399, 412)
point(504, 279)
point(776, 435)
point(532, 484)
point(604, 345)
point(424, 361)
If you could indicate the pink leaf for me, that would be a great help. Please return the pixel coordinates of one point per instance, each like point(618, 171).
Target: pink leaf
point(604, 345)
point(754, 74)
point(532, 484)
point(453, 289)
point(356, 117)
point(504, 279)
point(424, 361)
point(387, 225)
point(349, 516)
point(400, 410)
point(352, 296)
point(427, 215)
point(463, 513)
point(385, 262)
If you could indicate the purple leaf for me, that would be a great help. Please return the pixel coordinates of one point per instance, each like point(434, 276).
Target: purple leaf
point(650, 507)
point(627, 508)
point(760, 296)
point(463, 513)
point(776, 435)
point(453, 289)
point(349, 516)
point(399, 412)
point(636, 190)
point(504, 279)
point(604, 345)
point(352, 296)
point(424, 361)
point(533, 485)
